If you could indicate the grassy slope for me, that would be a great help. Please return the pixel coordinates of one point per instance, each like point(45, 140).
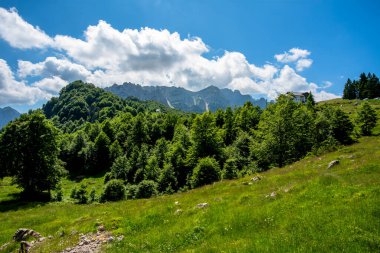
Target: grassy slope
point(315, 210)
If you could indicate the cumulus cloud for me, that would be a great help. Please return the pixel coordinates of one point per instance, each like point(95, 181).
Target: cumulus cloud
point(51, 85)
point(303, 64)
point(145, 49)
point(297, 56)
point(158, 57)
point(16, 92)
point(62, 68)
point(292, 55)
point(20, 34)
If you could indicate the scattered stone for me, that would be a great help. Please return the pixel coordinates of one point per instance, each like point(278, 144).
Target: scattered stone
point(202, 205)
point(41, 239)
point(92, 243)
point(272, 195)
point(332, 164)
point(23, 233)
point(178, 211)
point(101, 228)
point(50, 237)
point(25, 247)
point(256, 178)
point(4, 246)
point(176, 203)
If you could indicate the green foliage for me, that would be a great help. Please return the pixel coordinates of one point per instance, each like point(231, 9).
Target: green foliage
point(368, 86)
point(93, 195)
point(167, 181)
point(146, 189)
point(310, 102)
point(247, 117)
point(230, 169)
point(205, 138)
point(120, 169)
point(113, 191)
point(366, 118)
point(102, 153)
point(131, 191)
point(207, 171)
point(284, 133)
point(133, 142)
point(29, 153)
point(80, 195)
point(82, 101)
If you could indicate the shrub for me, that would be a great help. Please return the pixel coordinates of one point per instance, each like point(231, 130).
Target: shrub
point(80, 195)
point(120, 168)
point(93, 195)
point(114, 190)
point(366, 118)
point(230, 169)
point(167, 181)
point(206, 172)
point(58, 194)
point(146, 189)
point(131, 191)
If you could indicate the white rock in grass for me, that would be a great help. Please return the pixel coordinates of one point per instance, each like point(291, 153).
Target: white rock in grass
point(256, 178)
point(202, 205)
point(332, 164)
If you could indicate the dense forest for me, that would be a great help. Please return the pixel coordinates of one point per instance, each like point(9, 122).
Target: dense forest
point(146, 148)
point(368, 86)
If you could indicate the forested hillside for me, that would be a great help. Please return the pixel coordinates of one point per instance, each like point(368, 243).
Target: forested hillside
point(150, 149)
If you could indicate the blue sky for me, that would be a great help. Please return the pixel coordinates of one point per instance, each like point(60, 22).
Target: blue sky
point(233, 44)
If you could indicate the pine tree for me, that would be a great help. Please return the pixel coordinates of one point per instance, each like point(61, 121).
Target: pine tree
point(366, 118)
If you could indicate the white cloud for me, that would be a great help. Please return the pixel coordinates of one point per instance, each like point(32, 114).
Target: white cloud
point(62, 68)
point(51, 85)
point(292, 55)
point(20, 34)
point(303, 64)
point(145, 49)
point(323, 95)
point(153, 57)
point(16, 92)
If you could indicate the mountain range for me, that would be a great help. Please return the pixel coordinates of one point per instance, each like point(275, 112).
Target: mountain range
point(7, 114)
point(208, 99)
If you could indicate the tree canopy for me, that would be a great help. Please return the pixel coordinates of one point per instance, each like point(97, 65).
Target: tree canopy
point(29, 153)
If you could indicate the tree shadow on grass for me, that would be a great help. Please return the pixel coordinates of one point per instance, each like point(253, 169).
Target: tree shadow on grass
point(20, 201)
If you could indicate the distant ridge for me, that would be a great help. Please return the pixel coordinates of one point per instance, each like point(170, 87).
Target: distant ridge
point(7, 114)
point(210, 98)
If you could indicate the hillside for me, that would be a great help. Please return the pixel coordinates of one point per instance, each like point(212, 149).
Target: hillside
point(81, 102)
point(314, 209)
point(302, 207)
point(7, 114)
point(289, 206)
point(210, 98)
